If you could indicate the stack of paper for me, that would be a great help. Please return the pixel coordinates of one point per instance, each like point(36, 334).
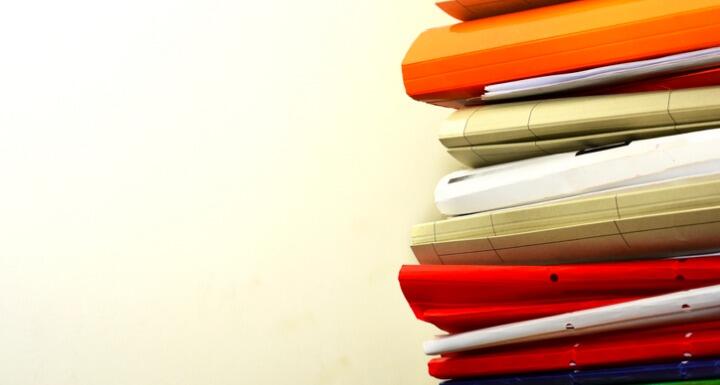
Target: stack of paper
point(578, 249)
point(612, 74)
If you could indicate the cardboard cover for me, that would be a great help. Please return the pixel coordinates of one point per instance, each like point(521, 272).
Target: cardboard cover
point(458, 298)
point(679, 307)
point(573, 174)
point(476, 9)
point(677, 217)
point(457, 62)
point(632, 347)
point(700, 372)
point(486, 135)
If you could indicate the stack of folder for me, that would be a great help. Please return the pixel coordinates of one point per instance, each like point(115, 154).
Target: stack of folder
point(580, 246)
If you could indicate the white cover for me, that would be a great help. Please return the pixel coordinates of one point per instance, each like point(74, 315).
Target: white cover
point(563, 175)
point(611, 74)
point(684, 306)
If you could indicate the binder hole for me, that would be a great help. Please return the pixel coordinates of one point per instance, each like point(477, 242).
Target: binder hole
point(685, 306)
point(687, 354)
point(680, 277)
point(573, 363)
point(576, 345)
point(554, 277)
point(569, 326)
point(688, 335)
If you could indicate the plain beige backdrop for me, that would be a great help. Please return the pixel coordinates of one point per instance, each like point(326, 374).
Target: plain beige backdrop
point(211, 191)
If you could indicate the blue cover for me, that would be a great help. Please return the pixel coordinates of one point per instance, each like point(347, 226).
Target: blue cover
point(686, 370)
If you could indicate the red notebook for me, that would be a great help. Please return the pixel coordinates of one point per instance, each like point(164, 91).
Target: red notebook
point(461, 298)
point(644, 346)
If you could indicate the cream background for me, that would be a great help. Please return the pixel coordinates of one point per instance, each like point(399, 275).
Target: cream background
point(211, 191)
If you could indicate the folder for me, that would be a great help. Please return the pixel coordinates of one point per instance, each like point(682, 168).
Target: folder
point(457, 62)
point(680, 307)
point(491, 134)
point(458, 298)
point(476, 9)
point(696, 372)
point(665, 344)
point(573, 174)
point(678, 217)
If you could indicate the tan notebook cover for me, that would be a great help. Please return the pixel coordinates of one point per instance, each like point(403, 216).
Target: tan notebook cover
point(486, 135)
point(670, 218)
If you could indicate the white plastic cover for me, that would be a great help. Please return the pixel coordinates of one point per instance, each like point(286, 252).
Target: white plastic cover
point(570, 174)
point(679, 307)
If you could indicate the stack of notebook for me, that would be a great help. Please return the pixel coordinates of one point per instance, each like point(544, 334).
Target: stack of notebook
point(578, 245)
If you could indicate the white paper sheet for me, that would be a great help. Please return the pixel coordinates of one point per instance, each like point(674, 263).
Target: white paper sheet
point(605, 75)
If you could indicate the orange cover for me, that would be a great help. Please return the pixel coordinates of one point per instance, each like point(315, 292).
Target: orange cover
point(457, 62)
point(474, 9)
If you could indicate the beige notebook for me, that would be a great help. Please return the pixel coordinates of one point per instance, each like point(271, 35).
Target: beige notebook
point(663, 219)
point(485, 135)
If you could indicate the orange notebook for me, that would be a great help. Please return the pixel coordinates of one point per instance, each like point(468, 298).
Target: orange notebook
point(456, 62)
point(475, 9)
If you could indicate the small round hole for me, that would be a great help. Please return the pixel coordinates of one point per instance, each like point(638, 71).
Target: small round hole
point(569, 326)
point(688, 335)
point(685, 306)
point(554, 277)
point(576, 345)
point(680, 277)
point(687, 354)
point(572, 364)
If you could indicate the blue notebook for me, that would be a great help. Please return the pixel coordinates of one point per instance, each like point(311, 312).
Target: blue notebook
point(678, 371)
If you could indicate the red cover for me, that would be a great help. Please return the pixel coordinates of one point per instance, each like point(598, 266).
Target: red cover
point(462, 298)
point(630, 347)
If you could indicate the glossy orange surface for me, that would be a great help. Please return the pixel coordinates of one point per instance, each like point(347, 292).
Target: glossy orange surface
point(457, 62)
